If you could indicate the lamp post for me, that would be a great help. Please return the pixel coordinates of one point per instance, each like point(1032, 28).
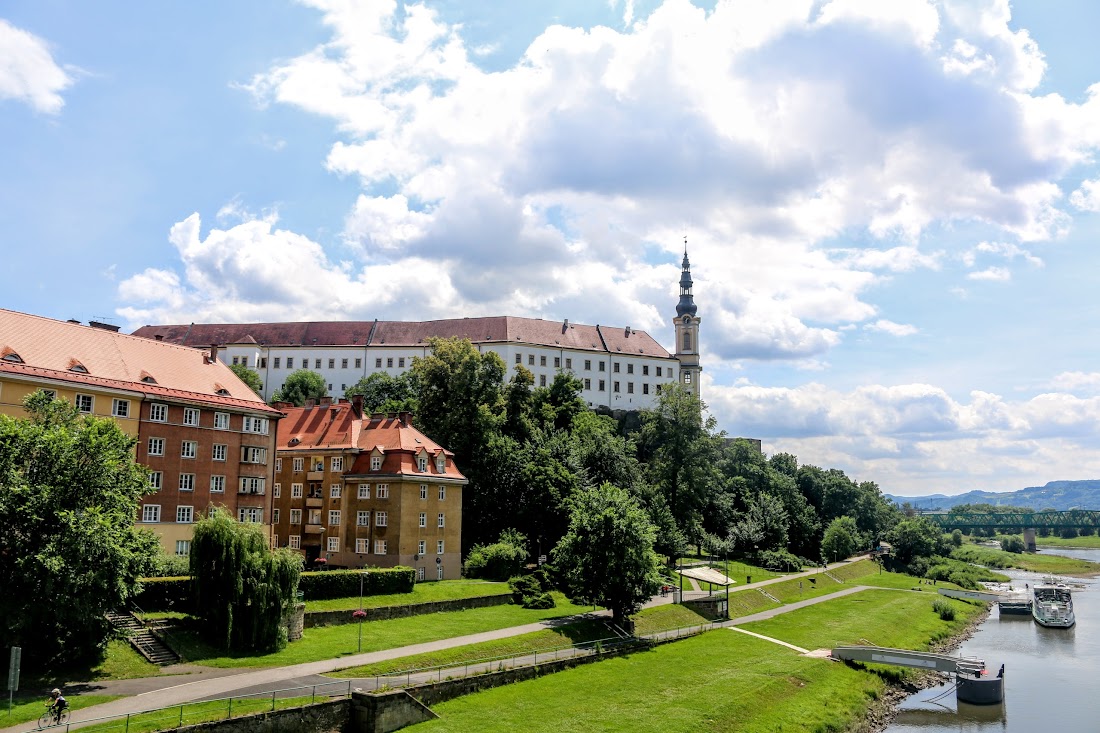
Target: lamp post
point(726, 563)
point(360, 614)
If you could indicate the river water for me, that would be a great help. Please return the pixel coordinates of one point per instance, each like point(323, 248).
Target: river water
point(1051, 675)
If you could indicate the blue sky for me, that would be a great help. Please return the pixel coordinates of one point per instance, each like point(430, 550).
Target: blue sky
point(892, 208)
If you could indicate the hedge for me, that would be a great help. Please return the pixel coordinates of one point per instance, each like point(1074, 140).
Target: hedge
point(322, 584)
point(174, 594)
point(164, 594)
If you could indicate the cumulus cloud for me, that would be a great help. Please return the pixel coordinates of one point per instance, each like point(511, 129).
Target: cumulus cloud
point(806, 148)
point(1088, 382)
point(1087, 197)
point(28, 72)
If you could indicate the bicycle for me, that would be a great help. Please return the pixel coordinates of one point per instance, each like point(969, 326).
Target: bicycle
point(52, 718)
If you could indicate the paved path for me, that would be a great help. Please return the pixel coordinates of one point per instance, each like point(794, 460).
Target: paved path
point(150, 693)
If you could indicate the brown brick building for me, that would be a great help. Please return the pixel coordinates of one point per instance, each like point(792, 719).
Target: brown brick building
point(207, 439)
point(356, 491)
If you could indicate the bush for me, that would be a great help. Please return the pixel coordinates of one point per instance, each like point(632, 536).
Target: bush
point(322, 584)
point(498, 561)
point(944, 609)
point(918, 567)
point(780, 560)
point(169, 566)
point(530, 591)
point(164, 594)
point(539, 601)
point(1013, 544)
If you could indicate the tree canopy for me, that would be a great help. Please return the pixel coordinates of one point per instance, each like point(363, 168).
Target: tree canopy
point(248, 376)
point(300, 386)
point(385, 393)
point(69, 551)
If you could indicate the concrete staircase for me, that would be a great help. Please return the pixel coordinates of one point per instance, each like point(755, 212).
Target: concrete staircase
point(147, 644)
point(769, 596)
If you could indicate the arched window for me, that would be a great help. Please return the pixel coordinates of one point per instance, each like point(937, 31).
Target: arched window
point(687, 340)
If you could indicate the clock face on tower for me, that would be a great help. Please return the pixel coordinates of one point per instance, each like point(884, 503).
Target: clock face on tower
point(687, 319)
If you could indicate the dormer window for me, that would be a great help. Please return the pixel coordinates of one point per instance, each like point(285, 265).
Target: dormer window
point(441, 465)
point(376, 463)
point(77, 367)
point(223, 392)
point(13, 357)
point(148, 379)
point(422, 463)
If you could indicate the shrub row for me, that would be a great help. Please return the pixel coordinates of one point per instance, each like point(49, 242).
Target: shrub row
point(174, 594)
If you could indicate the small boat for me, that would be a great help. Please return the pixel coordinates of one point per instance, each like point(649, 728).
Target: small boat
point(1016, 604)
point(1052, 605)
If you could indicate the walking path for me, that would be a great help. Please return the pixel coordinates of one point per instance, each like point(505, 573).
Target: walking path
point(150, 693)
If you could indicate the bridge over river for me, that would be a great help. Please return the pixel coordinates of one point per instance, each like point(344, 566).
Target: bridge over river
point(1026, 522)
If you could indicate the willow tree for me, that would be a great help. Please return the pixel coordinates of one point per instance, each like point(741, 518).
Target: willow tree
point(241, 589)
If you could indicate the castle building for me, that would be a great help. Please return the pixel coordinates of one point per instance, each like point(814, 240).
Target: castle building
point(621, 368)
point(354, 490)
point(206, 438)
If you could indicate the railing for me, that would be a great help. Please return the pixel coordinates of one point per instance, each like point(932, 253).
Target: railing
point(165, 635)
point(177, 716)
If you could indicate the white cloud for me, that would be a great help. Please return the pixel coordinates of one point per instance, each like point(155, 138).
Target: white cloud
point(894, 329)
point(991, 274)
point(28, 72)
point(1076, 382)
point(1087, 197)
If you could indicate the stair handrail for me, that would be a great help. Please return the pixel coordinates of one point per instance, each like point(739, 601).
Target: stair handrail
point(163, 634)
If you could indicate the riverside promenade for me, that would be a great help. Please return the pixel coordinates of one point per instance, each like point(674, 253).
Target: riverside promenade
point(192, 683)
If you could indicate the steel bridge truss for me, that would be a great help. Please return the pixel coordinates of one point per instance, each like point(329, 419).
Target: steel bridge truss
point(1075, 519)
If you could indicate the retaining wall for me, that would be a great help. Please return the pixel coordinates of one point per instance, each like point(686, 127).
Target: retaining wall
point(322, 717)
point(334, 618)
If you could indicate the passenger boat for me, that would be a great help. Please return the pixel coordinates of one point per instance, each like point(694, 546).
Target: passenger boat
point(1053, 605)
point(1016, 604)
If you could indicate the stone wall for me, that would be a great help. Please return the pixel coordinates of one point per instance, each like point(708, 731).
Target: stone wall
point(322, 717)
point(295, 622)
point(334, 618)
point(384, 712)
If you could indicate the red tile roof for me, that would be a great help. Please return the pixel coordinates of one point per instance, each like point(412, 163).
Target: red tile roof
point(48, 349)
point(493, 329)
point(337, 425)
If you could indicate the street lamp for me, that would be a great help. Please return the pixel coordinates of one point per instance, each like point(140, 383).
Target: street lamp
point(360, 614)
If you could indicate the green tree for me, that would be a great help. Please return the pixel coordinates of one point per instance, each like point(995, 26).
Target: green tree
point(1013, 544)
point(240, 588)
point(300, 386)
point(841, 540)
point(957, 538)
point(385, 393)
point(499, 561)
point(914, 538)
point(248, 376)
point(607, 556)
point(69, 552)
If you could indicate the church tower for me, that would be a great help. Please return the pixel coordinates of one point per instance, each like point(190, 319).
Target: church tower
point(687, 330)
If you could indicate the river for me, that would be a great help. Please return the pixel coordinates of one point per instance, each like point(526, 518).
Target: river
point(1050, 674)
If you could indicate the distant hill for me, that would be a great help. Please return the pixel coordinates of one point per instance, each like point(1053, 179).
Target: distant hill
point(1060, 495)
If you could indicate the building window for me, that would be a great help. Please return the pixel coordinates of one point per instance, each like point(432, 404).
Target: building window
point(84, 402)
point(389, 363)
point(236, 361)
point(602, 365)
point(401, 362)
point(158, 412)
point(630, 387)
point(557, 362)
point(185, 514)
point(422, 547)
point(588, 365)
point(278, 465)
point(442, 494)
point(333, 517)
point(220, 451)
point(361, 546)
point(275, 517)
point(156, 479)
point(187, 482)
point(316, 363)
point(442, 522)
point(423, 491)
point(295, 491)
point(423, 519)
point(217, 484)
point(252, 485)
point(542, 380)
point(334, 491)
point(687, 341)
point(439, 572)
point(382, 491)
point(190, 416)
point(156, 446)
point(379, 547)
point(189, 449)
point(380, 519)
point(645, 387)
point(295, 542)
point(253, 514)
point(376, 463)
point(275, 362)
point(519, 358)
point(120, 408)
point(542, 360)
point(183, 548)
point(420, 573)
point(277, 490)
point(290, 362)
point(615, 386)
point(262, 363)
point(587, 383)
point(337, 464)
point(253, 454)
point(364, 491)
point(362, 519)
point(645, 370)
point(441, 465)
point(615, 367)
point(358, 363)
point(687, 377)
point(150, 513)
point(659, 372)
point(530, 360)
point(422, 463)
point(343, 363)
point(221, 421)
point(333, 544)
point(255, 425)
point(298, 464)
point(378, 363)
point(603, 385)
point(295, 516)
point(439, 547)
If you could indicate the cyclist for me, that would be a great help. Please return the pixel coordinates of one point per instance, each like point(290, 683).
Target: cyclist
point(57, 703)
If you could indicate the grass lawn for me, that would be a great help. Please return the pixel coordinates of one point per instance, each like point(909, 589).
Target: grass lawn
point(196, 712)
point(123, 663)
point(718, 681)
point(442, 590)
point(25, 709)
point(331, 642)
point(1090, 542)
point(664, 618)
point(1035, 562)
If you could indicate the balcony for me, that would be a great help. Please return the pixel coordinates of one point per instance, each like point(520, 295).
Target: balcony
point(314, 528)
point(315, 476)
point(314, 502)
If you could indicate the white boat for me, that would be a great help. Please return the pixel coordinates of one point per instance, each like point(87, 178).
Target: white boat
point(1053, 605)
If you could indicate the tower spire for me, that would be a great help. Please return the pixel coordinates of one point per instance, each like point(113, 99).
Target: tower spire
point(687, 300)
point(686, 324)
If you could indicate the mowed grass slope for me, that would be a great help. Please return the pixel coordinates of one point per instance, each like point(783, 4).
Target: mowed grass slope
point(719, 681)
point(442, 590)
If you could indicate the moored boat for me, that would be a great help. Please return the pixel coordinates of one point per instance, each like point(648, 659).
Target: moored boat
point(1052, 605)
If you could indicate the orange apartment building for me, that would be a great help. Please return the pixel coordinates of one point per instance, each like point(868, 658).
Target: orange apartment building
point(354, 490)
point(207, 439)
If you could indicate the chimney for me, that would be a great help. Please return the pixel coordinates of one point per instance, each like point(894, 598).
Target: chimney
point(627, 334)
point(310, 403)
point(357, 404)
point(213, 353)
point(326, 400)
point(565, 326)
point(104, 326)
point(75, 321)
point(159, 337)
